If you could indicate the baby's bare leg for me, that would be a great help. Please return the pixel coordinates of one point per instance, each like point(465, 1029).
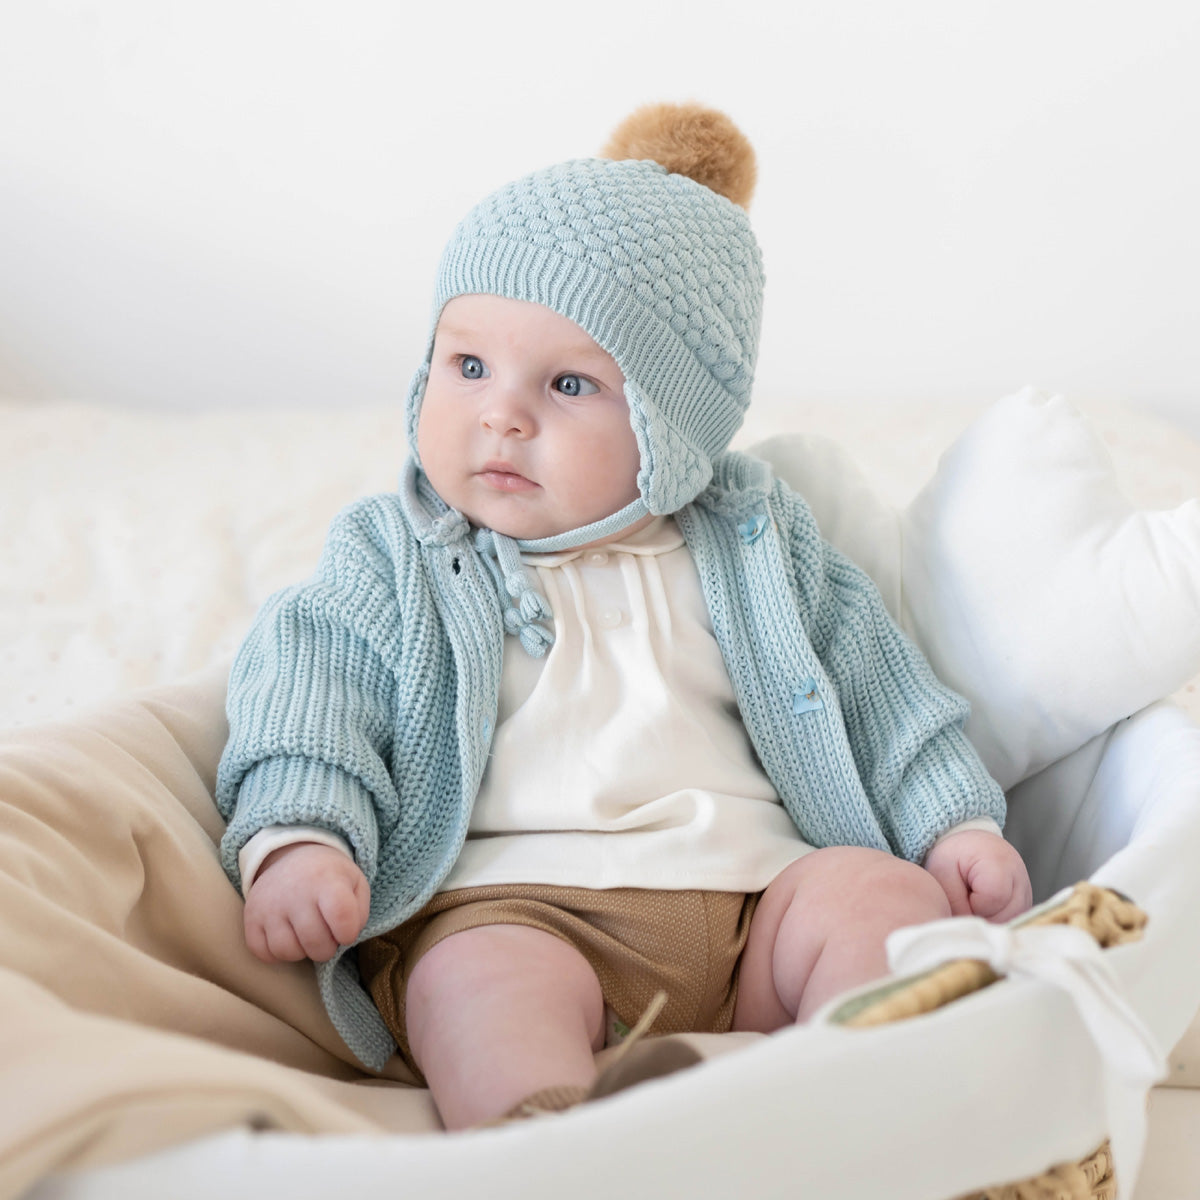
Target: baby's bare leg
point(499, 1012)
point(820, 928)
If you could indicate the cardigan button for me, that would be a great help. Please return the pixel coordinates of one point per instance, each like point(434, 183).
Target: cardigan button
point(752, 528)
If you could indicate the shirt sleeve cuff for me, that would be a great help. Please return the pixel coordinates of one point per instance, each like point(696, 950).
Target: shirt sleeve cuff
point(270, 838)
point(980, 824)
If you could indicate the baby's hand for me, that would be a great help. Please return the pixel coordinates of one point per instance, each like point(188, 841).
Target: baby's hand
point(306, 900)
point(981, 874)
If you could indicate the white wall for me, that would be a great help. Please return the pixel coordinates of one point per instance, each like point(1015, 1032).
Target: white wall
point(239, 202)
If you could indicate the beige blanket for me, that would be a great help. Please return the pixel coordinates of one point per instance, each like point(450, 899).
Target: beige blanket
point(132, 1018)
point(131, 1014)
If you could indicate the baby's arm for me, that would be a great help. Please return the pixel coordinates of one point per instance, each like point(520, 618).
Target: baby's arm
point(313, 703)
point(981, 874)
point(921, 775)
point(305, 901)
point(919, 770)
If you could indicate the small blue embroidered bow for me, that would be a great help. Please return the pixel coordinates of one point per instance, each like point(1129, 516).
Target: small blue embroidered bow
point(806, 698)
point(752, 528)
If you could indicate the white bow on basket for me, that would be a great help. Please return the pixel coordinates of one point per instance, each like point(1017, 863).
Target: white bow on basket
point(1070, 959)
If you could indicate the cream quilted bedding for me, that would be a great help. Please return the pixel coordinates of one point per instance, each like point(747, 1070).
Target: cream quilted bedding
point(135, 546)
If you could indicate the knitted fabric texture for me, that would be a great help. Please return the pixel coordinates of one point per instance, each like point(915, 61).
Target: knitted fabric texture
point(659, 270)
point(364, 701)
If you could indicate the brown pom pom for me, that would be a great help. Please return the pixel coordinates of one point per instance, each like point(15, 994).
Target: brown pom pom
point(689, 139)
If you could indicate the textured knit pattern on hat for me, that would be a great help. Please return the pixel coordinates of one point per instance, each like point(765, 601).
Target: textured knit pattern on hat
point(659, 270)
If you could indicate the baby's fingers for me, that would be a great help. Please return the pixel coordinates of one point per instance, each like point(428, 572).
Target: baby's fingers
point(1020, 900)
point(279, 940)
point(271, 937)
point(344, 912)
point(316, 940)
point(996, 894)
point(947, 874)
point(256, 940)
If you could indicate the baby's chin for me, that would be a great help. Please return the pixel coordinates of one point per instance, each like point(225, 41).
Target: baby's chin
point(532, 527)
point(510, 521)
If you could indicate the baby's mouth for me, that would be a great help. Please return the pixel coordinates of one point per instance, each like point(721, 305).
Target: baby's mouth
point(503, 478)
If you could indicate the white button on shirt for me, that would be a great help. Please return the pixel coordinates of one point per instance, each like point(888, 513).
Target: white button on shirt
point(610, 618)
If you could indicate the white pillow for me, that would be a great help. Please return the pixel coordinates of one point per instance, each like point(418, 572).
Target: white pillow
point(1029, 581)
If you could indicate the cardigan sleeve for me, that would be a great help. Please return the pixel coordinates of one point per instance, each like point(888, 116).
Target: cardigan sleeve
point(311, 702)
point(905, 727)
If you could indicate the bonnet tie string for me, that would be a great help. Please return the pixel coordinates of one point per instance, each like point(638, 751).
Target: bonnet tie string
point(1070, 959)
point(522, 618)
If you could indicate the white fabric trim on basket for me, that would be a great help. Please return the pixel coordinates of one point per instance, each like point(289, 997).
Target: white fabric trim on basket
point(1070, 959)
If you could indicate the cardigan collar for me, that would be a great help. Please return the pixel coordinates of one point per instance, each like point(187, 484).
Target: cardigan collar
point(527, 613)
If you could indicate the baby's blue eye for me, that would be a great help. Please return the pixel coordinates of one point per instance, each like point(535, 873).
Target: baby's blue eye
point(472, 367)
point(575, 385)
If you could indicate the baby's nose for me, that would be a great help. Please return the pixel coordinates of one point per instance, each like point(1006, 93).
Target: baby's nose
point(508, 411)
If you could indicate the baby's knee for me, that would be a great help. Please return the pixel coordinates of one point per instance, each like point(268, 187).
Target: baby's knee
point(904, 893)
point(499, 959)
point(863, 886)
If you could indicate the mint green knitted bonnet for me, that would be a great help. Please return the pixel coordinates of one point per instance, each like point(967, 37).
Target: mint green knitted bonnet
point(661, 270)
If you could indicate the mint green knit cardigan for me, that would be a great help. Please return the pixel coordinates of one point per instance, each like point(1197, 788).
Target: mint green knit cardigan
point(364, 700)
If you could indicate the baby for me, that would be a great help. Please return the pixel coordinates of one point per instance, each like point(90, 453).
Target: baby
point(587, 711)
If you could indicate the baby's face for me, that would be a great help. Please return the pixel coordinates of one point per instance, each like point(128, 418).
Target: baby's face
point(524, 427)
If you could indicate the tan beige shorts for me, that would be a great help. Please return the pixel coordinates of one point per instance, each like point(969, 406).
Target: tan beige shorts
point(638, 941)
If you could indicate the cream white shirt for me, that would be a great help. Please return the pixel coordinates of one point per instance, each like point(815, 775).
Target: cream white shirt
point(619, 758)
point(628, 726)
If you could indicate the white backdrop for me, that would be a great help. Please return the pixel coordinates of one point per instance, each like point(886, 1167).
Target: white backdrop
point(238, 202)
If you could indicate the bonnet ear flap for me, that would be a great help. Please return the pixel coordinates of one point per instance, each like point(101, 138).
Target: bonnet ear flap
point(412, 407)
point(672, 473)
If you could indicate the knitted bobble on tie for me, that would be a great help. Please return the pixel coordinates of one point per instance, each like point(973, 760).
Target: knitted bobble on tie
point(449, 528)
point(536, 639)
point(531, 606)
point(530, 601)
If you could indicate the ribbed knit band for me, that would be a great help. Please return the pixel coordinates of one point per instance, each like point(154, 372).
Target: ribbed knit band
point(298, 791)
point(660, 271)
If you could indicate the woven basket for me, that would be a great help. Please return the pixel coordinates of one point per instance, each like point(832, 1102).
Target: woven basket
point(1112, 920)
